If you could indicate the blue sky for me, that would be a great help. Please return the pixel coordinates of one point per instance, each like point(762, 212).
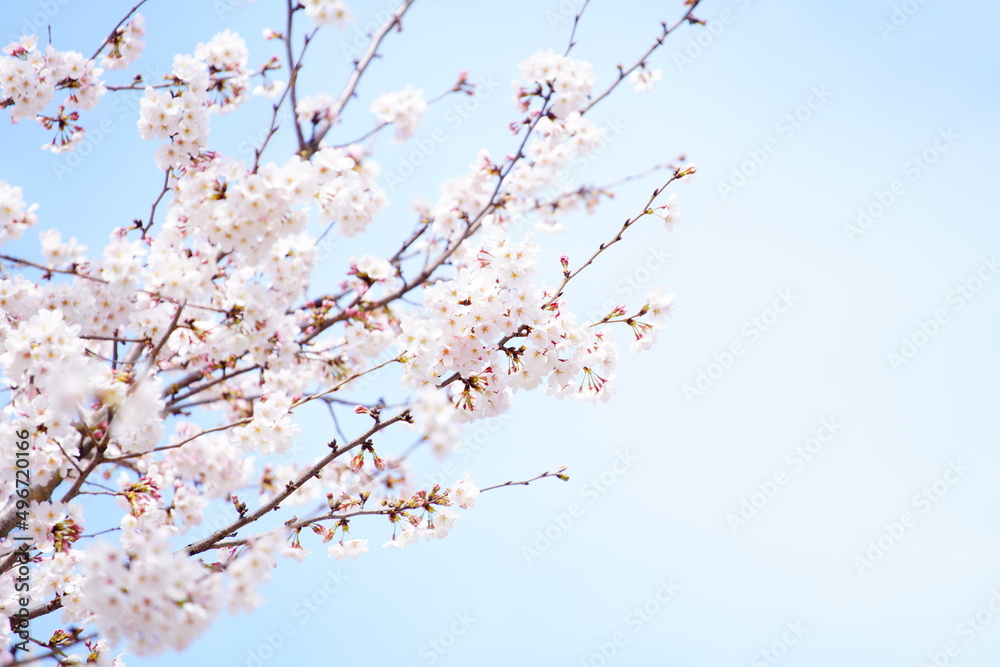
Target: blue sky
point(645, 565)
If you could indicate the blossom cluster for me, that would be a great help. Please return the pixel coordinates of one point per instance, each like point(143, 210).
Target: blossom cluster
point(463, 338)
point(158, 599)
point(403, 109)
point(215, 78)
point(567, 80)
point(126, 44)
point(328, 12)
point(15, 215)
point(31, 78)
point(315, 109)
point(650, 319)
point(166, 368)
point(645, 79)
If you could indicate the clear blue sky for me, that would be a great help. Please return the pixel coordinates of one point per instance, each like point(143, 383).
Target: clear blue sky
point(839, 114)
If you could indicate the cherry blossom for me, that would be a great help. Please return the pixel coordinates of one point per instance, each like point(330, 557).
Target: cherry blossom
point(126, 44)
point(464, 493)
point(15, 215)
point(328, 12)
point(645, 79)
point(165, 374)
point(570, 81)
point(348, 549)
point(403, 109)
point(671, 216)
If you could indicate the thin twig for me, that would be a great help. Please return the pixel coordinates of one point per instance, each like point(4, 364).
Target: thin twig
point(379, 127)
point(114, 30)
point(569, 275)
point(210, 541)
point(622, 73)
point(473, 227)
point(164, 448)
point(152, 210)
point(293, 5)
point(576, 21)
point(352, 83)
point(560, 473)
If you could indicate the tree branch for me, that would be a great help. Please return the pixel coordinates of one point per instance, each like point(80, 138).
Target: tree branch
point(210, 541)
point(352, 83)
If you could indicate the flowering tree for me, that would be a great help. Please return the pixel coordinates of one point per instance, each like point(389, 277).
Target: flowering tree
point(164, 373)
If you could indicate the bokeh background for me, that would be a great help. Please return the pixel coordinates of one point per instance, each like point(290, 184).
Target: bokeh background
point(811, 501)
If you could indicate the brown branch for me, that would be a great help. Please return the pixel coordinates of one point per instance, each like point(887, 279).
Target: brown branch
point(164, 448)
point(352, 83)
point(398, 509)
point(560, 473)
point(622, 73)
point(678, 174)
point(98, 448)
point(293, 5)
point(163, 341)
point(311, 397)
point(429, 270)
point(197, 390)
point(210, 541)
point(74, 272)
point(152, 210)
point(454, 89)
